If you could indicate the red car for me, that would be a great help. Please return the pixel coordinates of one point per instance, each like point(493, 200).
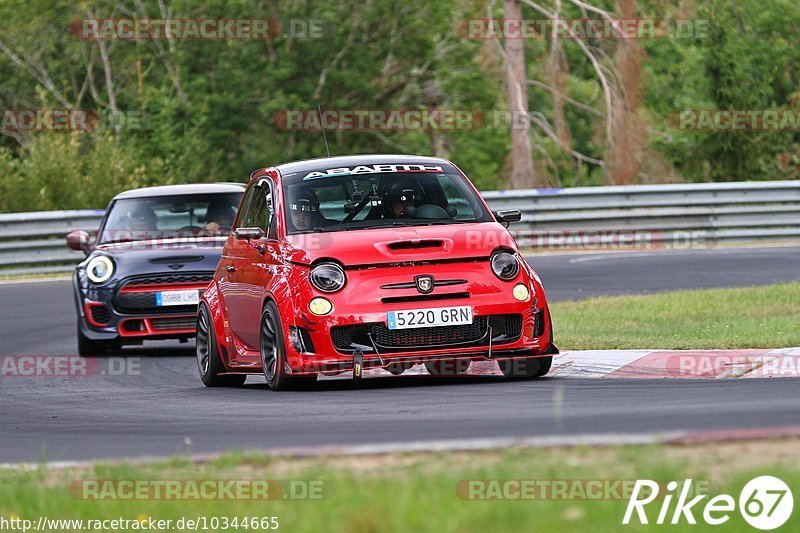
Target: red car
point(350, 263)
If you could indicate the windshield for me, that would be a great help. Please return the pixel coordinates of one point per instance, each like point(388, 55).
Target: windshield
point(170, 217)
point(339, 203)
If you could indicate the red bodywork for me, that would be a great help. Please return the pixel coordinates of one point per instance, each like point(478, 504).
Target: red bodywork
point(246, 279)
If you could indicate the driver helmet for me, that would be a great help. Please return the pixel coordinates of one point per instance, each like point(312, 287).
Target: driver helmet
point(405, 192)
point(304, 200)
point(220, 211)
point(142, 218)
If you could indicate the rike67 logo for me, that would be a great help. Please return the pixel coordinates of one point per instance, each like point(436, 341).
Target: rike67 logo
point(765, 503)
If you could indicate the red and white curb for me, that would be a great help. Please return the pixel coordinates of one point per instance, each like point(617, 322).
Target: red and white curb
point(705, 364)
point(654, 364)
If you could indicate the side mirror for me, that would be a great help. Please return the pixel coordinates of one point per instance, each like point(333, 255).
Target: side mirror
point(248, 234)
point(507, 216)
point(79, 240)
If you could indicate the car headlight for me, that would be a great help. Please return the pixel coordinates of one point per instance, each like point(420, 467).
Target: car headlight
point(505, 266)
point(100, 269)
point(328, 277)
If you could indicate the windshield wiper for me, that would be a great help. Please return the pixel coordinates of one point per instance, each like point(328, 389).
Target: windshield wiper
point(440, 222)
point(323, 229)
point(387, 224)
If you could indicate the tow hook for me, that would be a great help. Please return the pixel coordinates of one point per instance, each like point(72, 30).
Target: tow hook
point(358, 364)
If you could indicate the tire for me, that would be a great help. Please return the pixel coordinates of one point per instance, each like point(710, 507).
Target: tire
point(273, 354)
point(530, 367)
point(88, 347)
point(448, 367)
point(208, 360)
point(525, 367)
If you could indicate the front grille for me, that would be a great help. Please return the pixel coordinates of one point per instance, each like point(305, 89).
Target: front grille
point(160, 324)
point(144, 301)
point(341, 337)
point(424, 297)
point(100, 314)
point(513, 326)
point(420, 337)
point(505, 328)
point(170, 279)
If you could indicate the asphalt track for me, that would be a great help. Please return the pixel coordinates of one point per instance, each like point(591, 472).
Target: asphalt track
point(160, 407)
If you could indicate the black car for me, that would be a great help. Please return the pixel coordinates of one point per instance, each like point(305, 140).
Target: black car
point(154, 253)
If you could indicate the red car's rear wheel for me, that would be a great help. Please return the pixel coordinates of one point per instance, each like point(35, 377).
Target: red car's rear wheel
point(208, 360)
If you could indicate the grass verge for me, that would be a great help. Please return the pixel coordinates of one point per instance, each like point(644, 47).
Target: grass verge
point(750, 317)
point(418, 492)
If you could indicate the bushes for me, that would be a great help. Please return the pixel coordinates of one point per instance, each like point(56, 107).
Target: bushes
point(74, 171)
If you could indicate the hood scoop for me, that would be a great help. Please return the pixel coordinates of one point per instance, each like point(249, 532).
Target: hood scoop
point(417, 244)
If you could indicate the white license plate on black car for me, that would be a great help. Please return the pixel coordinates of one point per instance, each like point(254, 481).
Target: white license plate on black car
point(167, 298)
point(430, 318)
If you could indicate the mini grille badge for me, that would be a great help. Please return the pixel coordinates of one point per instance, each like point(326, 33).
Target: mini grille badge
point(424, 284)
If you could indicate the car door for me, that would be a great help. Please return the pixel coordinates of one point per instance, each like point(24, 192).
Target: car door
point(258, 267)
point(234, 257)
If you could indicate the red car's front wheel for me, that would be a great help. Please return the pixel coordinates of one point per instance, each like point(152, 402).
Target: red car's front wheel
point(208, 360)
point(526, 367)
point(273, 353)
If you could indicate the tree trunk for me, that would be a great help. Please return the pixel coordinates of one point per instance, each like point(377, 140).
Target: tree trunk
point(522, 174)
point(556, 69)
point(629, 140)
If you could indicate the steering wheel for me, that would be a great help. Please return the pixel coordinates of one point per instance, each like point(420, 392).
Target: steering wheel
point(194, 231)
point(430, 211)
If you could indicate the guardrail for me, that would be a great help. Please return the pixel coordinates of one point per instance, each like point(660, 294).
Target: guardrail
point(32, 243)
point(693, 214)
point(582, 217)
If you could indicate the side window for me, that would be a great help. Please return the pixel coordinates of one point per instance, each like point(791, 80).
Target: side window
point(258, 213)
point(267, 219)
point(272, 230)
point(241, 218)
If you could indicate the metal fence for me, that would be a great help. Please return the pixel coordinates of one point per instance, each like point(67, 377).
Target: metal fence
point(694, 214)
point(589, 218)
point(33, 243)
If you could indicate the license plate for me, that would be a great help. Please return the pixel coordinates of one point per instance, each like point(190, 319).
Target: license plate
point(167, 298)
point(430, 318)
